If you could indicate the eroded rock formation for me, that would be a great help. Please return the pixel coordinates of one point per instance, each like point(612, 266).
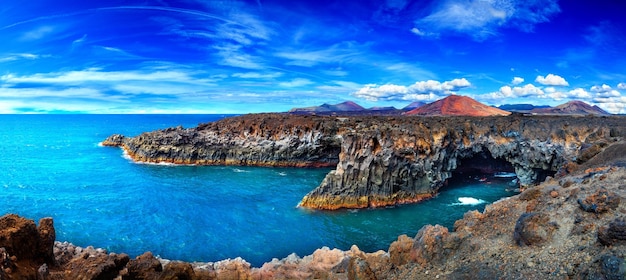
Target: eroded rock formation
point(379, 161)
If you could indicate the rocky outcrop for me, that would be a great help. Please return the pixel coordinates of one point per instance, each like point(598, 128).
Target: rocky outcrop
point(255, 140)
point(406, 160)
point(379, 161)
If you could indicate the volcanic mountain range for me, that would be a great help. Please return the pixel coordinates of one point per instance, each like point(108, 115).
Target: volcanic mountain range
point(453, 105)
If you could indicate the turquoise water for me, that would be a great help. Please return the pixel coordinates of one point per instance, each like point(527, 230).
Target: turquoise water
point(52, 166)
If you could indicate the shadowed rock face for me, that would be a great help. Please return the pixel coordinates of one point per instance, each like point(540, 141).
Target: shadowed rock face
point(379, 160)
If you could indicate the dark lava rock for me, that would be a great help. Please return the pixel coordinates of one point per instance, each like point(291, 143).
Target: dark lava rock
point(533, 229)
point(613, 268)
point(615, 232)
point(599, 202)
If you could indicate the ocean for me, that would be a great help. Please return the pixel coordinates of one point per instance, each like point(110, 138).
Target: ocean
point(53, 166)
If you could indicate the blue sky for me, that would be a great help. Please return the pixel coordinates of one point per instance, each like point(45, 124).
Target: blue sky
point(192, 56)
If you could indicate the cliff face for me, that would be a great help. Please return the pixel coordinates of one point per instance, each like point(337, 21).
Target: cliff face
point(379, 160)
point(255, 140)
point(407, 160)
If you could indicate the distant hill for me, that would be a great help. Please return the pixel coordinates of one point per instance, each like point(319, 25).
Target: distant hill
point(521, 108)
point(413, 105)
point(347, 106)
point(571, 108)
point(457, 105)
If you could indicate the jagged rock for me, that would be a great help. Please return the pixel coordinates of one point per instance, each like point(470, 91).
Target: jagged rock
point(533, 229)
point(359, 269)
point(613, 233)
point(100, 266)
point(400, 250)
point(19, 236)
point(145, 266)
point(47, 236)
point(379, 161)
point(236, 269)
point(599, 202)
point(432, 245)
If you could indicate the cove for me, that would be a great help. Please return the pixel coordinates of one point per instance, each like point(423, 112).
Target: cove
point(53, 166)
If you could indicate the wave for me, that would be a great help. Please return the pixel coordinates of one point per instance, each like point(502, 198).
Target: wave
point(237, 170)
point(125, 155)
point(469, 201)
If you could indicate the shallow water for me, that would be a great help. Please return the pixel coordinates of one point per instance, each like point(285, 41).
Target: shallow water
point(52, 165)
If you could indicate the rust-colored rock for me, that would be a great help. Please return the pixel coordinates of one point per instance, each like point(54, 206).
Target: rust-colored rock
point(400, 250)
point(533, 229)
point(457, 105)
point(599, 202)
point(431, 245)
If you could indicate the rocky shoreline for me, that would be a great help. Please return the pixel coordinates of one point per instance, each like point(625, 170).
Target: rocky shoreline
point(569, 227)
point(380, 161)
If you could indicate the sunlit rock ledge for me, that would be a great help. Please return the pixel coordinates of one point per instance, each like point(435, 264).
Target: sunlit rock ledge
point(381, 161)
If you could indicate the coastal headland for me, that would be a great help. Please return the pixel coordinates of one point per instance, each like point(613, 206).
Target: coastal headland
point(382, 160)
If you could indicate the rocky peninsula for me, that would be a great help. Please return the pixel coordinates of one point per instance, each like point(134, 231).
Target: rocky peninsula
point(572, 226)
point(382, 160)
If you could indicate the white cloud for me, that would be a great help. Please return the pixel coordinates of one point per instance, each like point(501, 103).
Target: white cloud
point(297, 82)
point(614, 105)
point(481, 19)
point(418, 32)
point(621, 86)
point(552, 80)
point(18, 56)
point(421, 90)
point(517, 81)
point(602, 88)
point(579, 93)
point(95, 75)
point(257, 75)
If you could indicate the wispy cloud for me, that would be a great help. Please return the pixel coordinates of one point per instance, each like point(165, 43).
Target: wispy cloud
point(297, 82)
point(18, 56)
point(344, 52)
point(481, 19)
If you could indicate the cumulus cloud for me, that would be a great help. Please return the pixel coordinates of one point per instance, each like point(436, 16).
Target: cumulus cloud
point(614, 105)
point(552, 80)
point(602, 88)
point(421, 90)
point(482, 19)
point(517, 80)
point(621, 86)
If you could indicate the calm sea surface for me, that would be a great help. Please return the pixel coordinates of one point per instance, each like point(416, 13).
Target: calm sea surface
point(52, 166)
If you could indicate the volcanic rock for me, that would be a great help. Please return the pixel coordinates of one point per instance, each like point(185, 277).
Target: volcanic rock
point(571, 108)
point(378, 161)
point(457, 105)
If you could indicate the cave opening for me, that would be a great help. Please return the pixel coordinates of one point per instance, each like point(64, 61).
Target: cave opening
point(482, 167)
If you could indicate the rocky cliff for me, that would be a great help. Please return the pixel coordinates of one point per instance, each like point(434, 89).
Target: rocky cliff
point(379, 160)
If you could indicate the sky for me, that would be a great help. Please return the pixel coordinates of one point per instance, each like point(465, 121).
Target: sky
point(219, 57)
